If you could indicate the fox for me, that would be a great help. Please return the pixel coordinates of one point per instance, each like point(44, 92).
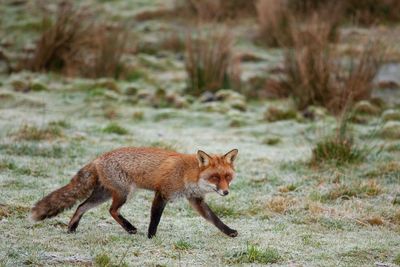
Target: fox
point(117, 174)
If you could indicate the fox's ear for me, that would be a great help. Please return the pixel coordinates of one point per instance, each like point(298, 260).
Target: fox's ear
point(203, 158)
point(231, 156)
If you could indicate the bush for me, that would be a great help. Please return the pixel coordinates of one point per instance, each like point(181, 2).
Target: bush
point(76, 44)
point(314, 76)
point(280, 22)
point(207, 10)
point(275, 20)
point(57, 44)
point(209, 63)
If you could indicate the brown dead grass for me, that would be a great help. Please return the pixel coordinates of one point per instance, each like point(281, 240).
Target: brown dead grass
point(315, 76)
point(209, 62)
point(215, 10)
point(280, 204)
point(59, 43)
point(78, 45)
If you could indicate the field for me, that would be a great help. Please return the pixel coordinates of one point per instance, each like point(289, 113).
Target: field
point(289, 207)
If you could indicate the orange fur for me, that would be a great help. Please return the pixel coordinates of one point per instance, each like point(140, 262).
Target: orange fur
point(121, 171)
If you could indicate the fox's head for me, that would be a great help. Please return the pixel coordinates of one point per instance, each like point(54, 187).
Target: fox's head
point(216, 171)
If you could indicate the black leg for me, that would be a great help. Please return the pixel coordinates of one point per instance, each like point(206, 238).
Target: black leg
point(98, 196)
point(117, 202)
point(209, 215)
point(157, 209)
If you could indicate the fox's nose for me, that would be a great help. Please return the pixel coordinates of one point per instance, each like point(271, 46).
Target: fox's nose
point(225, 192)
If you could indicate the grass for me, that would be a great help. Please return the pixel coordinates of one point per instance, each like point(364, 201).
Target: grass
point(348, 191)
point(34, 133)
point(115, 128)
point(315, 76)
point(208, 62)
point(286, 211)
point(33, 150)
point(339, 149)
point(182, 245)
point(254, 254)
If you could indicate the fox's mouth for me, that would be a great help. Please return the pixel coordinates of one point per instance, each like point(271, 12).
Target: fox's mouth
point(219, 193)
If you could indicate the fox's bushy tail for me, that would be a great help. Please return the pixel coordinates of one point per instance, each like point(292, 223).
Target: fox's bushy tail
point(80, 186)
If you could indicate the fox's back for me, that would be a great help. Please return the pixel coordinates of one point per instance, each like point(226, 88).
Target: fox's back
point(140, 165)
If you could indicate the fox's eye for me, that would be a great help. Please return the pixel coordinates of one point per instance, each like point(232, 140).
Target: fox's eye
point(214, 179)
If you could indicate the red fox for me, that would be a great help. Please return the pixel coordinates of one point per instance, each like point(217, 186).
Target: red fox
point(118, 173)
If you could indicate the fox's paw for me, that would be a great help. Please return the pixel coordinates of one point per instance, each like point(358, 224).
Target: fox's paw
point(132, 231)
point(232, 233)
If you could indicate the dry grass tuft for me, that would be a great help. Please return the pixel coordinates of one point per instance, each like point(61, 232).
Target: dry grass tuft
point(60, 41)
point(359, 190)
point(279, 204)
point(215, 10)
point(34, 133)
point(76, 44)
point(314, 76)
point(275, 20)
point(209, 62)
point(282, 22)
point(375, 221)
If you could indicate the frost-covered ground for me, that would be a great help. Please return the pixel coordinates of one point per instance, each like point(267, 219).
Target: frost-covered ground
point(291, 212)
point(277, 200)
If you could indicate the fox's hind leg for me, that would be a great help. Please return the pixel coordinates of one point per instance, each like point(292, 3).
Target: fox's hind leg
point(98, 196)
point(118, 200)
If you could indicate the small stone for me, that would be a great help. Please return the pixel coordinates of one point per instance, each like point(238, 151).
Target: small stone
point(207, 97)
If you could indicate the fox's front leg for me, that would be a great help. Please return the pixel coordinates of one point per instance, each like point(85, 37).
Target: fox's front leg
point(157, 209)
point(209, 215)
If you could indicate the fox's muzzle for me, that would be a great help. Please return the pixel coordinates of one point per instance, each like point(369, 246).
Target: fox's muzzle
point(222, 192)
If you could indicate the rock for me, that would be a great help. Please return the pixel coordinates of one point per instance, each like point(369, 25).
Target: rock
point(365, 107)
point(278, 114)
point(207, 97)
point(391, 115)
point(391, 130)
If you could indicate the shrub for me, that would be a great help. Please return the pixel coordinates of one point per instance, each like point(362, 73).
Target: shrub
point(76, 44)
point(209, 63)
point(109, 46)
point(275, 20)
point(314, 76)
point(280, 22)
point(207, 10)
point(57, 44)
